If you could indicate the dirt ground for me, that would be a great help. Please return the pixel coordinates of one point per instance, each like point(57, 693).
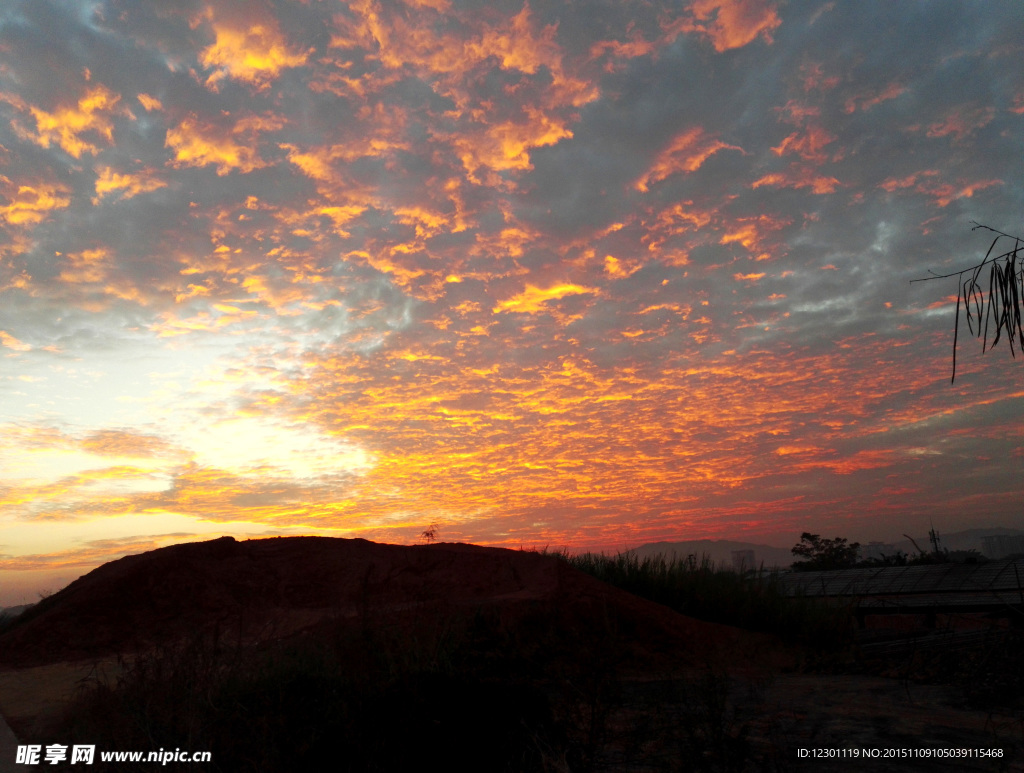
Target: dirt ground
point(773, 715)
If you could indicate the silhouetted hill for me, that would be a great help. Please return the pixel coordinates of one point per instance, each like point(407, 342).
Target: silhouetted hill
point(269, 589)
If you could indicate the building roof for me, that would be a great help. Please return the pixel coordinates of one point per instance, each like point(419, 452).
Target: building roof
point(996, 578)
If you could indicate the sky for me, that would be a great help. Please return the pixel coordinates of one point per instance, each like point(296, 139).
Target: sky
point(585, 274)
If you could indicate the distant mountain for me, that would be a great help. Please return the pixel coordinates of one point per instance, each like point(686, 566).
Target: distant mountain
point(970, 539)
point(720, 552)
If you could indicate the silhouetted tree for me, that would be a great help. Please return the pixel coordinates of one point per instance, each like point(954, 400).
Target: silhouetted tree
point(1000, 306)
point(429, 534)
point(823, 554)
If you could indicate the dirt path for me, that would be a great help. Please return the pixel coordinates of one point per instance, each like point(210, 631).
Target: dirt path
point(30, 695)
point(8, 748)
point(864, 712)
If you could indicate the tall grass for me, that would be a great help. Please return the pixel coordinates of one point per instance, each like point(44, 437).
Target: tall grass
point(754, 600)
point(468, 691)
point(376, 699)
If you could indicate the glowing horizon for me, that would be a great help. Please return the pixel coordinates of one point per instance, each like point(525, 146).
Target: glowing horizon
point(538, 273)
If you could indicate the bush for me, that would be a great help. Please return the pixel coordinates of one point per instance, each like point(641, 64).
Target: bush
point(824, 554)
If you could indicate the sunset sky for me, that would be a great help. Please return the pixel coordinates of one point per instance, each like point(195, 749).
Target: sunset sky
point(586, 274)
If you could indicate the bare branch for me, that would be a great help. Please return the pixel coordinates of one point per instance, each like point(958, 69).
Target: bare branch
point(1001, 307)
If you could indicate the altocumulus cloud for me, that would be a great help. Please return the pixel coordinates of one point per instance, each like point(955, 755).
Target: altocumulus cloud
point(540, 272)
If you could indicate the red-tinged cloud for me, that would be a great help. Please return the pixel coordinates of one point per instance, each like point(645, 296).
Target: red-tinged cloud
point(893, 183)
point(685, 153)
point(929, 183)
point(868, 100)
point(799, 177)
point(734, 23)
point(962, 122)
point(814, 78)
point(808, 144)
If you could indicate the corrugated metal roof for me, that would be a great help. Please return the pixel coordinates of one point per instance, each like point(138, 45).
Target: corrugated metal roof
point(983, 578)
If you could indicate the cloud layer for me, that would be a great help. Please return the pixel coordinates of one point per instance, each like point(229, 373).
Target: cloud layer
point(541, 273)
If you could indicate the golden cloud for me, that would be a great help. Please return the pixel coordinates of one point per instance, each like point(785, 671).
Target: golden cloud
point(32, 204)
point(86, 266)
point(9, 341)
point(254, 52)
point(72, 127)
point(532, 300)
point(198, 144)
point(129, 185)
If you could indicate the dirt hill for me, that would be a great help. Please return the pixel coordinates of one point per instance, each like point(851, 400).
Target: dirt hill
point(270, 589)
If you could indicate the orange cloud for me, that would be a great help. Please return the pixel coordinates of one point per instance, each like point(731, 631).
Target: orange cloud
point(72, 128)
point(506, 145)
point(197, 144)
point(686, 153)
point(533, 298)
point(753, 234)
point(251, 50)
point(489, 139)
point(317, 163)
point(129, 185)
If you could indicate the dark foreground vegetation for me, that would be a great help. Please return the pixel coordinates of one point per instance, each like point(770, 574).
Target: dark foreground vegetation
point(988, 670)
point(468, 693)
point(553, 692)
point(753, 600)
